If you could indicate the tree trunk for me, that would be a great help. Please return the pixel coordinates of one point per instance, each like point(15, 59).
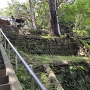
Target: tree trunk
point(53, 18)
point(32, 15)
point(53, 78)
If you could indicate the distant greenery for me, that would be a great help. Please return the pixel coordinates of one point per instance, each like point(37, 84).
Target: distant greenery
point(73, 15)
point(76, 15)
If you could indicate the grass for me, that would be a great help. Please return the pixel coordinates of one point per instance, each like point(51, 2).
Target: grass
point(48, 37)
point(51, 58)
point(82, 32)
point(45, 59)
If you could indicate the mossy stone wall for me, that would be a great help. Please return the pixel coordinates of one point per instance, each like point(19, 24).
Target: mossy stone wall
point(38, 45)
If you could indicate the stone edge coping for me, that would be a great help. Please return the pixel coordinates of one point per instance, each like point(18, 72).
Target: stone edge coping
point(13, 80)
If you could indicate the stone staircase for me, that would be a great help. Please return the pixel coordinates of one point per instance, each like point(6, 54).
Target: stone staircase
point(4, 79)
point(8, 78)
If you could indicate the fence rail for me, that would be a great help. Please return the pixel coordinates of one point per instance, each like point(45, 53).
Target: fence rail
point(32, 74)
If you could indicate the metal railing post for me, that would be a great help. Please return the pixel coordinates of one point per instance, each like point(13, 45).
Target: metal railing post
point(16, 62)
point(5, 43)
point(8, 51)
point(32, 80)
point(32, 83)
point(0, 37)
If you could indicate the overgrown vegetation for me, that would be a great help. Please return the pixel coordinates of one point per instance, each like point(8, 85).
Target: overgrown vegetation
point(67, 73)
point(74, 21)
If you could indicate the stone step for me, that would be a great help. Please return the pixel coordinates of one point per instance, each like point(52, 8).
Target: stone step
point(5, 87)
point(2, 66)
point(8, 79)
point(2, 72)
point(4, 80)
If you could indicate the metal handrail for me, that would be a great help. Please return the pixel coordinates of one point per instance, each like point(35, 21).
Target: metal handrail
point(25, 64)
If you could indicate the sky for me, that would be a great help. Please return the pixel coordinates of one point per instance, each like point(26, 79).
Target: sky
point(4, 3)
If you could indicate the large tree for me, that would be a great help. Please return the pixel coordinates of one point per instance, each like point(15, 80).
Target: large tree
point(53, 18)
point(53, 4)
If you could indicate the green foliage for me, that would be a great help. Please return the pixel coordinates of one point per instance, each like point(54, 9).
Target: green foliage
point(24, 78)
point(85, 44)
point(66, 12)
point(41, 11)
point(74, 68)
point(82, 33)
point(42, 15)
point(77, 13)
point(46, 81)
point(75, 78)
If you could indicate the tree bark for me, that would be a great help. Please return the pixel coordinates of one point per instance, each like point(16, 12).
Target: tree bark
point(32, 15)
point(53, 78)
point(53, 18)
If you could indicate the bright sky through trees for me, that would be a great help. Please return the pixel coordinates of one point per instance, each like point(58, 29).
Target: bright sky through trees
point(4, 3)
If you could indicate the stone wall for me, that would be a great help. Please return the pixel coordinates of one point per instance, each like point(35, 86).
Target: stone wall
point(37, 45)
point(73, 75)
